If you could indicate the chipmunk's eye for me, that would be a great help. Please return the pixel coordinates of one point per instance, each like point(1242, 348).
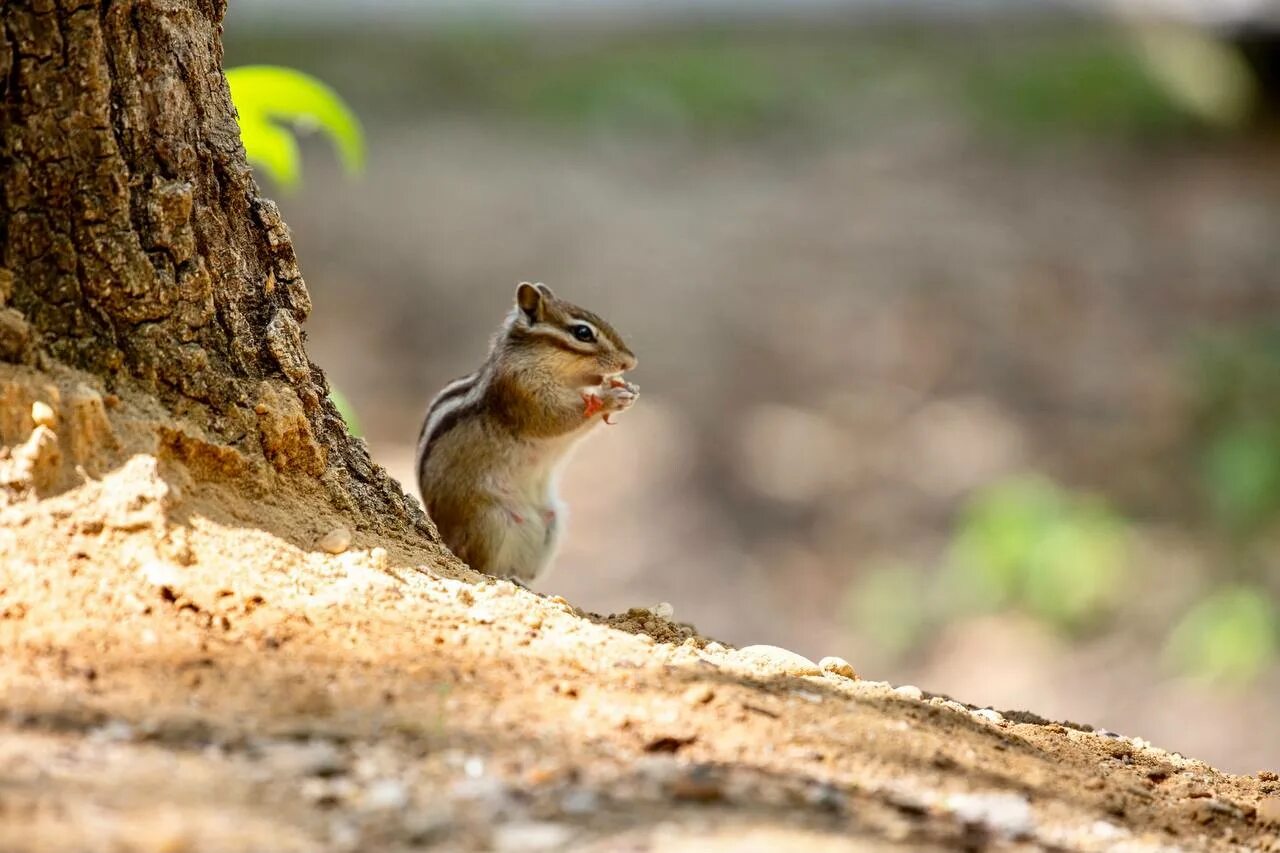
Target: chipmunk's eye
point(582, 332)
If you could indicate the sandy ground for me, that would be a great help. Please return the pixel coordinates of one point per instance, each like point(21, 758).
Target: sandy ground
point(183, 669)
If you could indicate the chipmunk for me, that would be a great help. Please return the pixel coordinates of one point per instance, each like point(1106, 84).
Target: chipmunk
point(493, 443)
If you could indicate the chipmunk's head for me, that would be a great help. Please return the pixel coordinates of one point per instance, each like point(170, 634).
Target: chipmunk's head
point(575, 343)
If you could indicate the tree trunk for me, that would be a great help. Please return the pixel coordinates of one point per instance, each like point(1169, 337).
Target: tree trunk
point(134, 246)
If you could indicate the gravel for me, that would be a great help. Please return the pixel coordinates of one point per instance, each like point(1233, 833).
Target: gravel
point(336, 540)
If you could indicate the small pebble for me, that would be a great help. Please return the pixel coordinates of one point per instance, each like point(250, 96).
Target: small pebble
point(580, 801)
point(699, 694)
point(663, 610)
point(825, 796)
point(1105, 829)
point(386, 795)
point(343, 834)
point(311, 758)
point(989, 714)
point(316, 790)
point(700, 784)
point(378, 556)
point(116, 731)
point(910, 691)
point(1008, 815)
point(336, 540)
point(43, 415)
point(837, 666)
point(159, 573)
point(531, 835)
point(486, 792)
point(808, 696)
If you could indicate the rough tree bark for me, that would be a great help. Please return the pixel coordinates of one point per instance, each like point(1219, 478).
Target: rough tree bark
point(135, 245)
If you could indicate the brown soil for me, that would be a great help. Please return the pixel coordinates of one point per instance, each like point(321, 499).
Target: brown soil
point(183, 669)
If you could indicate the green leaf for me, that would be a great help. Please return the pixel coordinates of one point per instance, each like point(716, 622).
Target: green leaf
point(265, 96)
point(1233, 635)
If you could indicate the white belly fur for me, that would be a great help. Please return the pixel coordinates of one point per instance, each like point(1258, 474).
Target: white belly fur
point(533, 520)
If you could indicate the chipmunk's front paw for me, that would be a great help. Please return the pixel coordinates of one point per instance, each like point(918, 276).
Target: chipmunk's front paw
point(616, 396)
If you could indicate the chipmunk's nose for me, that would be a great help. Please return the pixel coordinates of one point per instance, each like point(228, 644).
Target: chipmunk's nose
point(629, 361)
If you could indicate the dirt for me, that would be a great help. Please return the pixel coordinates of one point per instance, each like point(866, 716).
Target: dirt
point(185, 668)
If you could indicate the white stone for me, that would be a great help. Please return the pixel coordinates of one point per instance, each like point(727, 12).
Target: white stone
point(775, 660)
point(1008, 815)
point(531, 835)
point(160, 573)
point(837, 666)
point(386, 795)
point(336, 540)
point(43, 415)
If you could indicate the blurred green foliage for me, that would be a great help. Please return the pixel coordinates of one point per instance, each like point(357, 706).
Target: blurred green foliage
point(1096, 85)
point(1044, 83)
point(710, 85)
point(1023, 543)
point(267, 96)
point(1028, 543)
point(1233, 635)
point(1235, 381)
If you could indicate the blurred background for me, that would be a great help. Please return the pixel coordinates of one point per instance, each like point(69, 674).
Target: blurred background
point(958, 323)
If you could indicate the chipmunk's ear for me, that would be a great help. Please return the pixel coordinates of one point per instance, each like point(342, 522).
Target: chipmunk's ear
point(529, 300)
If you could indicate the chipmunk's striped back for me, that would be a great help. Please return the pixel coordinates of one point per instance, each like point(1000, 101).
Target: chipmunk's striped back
point(455, 401)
